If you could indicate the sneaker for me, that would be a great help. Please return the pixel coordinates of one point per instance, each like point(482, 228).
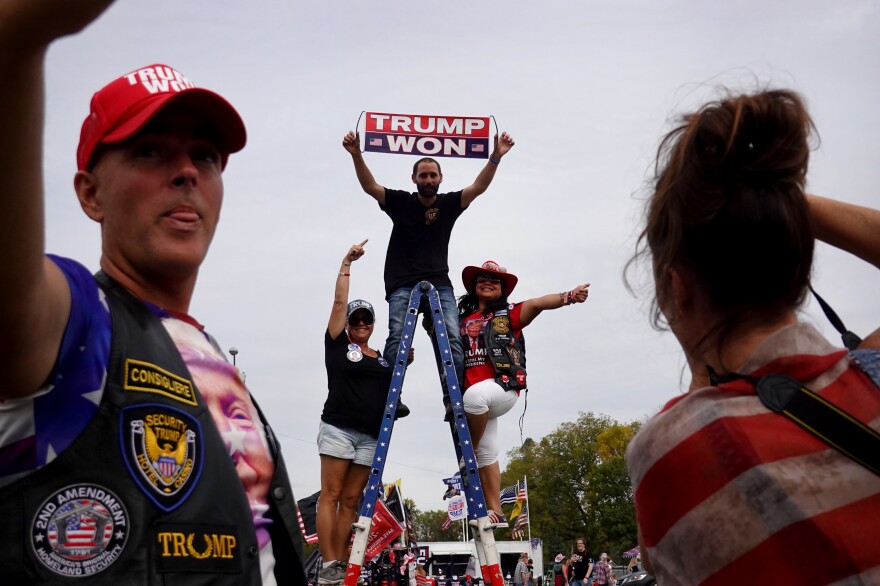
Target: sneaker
point(402, 411)
point(332, 574)
point(497, 519)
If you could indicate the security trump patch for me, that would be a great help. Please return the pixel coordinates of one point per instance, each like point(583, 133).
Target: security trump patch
point(162, 448)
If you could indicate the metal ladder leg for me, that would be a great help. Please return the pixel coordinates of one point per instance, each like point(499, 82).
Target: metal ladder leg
point(484, 539)
point(362, 526)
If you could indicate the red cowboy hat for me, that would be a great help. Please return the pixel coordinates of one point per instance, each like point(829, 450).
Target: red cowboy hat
point(469, 276)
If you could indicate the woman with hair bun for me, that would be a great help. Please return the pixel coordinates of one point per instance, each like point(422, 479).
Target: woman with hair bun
point(725, 489)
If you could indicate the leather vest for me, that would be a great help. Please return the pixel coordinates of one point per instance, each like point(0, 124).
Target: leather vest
point(506, 351)
point(147, 494)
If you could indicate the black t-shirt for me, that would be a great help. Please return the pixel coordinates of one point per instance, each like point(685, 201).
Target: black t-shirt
point(580, 563)
point(357, 389)
point(418, 249)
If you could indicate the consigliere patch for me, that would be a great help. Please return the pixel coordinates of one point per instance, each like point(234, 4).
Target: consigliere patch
point(148, 378)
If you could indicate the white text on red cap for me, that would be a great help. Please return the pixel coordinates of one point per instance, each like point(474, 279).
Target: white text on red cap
point(159, 79)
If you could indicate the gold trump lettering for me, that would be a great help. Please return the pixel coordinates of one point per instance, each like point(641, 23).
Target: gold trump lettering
point(184, 545)
point(149, 378)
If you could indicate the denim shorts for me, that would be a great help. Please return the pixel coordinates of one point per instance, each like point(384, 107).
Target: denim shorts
point(346, 444)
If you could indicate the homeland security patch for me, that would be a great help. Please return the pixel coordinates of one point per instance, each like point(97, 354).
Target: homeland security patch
point(162, 448)
point(80, 530)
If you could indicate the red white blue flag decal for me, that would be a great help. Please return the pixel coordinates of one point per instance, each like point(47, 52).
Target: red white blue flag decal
point(427, 136)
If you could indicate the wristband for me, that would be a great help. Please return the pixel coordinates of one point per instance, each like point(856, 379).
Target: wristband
point(346, 264)
point(494, 161)
point(341, 274)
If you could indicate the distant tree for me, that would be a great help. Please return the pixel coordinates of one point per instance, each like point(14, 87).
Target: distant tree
point(429, 526)
point(578, 485)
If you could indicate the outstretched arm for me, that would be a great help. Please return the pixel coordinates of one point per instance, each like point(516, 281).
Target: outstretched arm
point(338, 314)
point(532, 307)
point(481, 183)
point(352, 143)
point(34, 296)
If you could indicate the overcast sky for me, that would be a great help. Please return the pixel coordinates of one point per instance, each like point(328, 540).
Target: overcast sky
point(586, 89)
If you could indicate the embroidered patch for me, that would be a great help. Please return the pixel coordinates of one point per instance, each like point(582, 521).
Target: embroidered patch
point(515, 356)
point(162, 448)
point(501, 324)
point(149, 378)
point(80, 530)
point(190, 547)
point(431, 215)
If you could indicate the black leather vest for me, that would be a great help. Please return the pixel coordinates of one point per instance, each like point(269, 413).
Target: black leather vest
point(147, 494)
point(506, 351)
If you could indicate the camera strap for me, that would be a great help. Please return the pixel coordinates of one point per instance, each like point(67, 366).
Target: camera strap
point(811, 412)
point(850, 340)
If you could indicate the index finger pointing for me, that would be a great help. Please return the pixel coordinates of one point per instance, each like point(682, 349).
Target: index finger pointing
point(364, 242)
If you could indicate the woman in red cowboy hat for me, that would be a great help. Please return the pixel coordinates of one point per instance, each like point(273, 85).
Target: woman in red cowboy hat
point(494, 361)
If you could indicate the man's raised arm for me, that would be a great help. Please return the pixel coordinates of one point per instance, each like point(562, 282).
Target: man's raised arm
point(352, 143)
point(34, 297)
point(481, 183)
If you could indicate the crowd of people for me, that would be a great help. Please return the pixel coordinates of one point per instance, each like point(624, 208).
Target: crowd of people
point(193, 486)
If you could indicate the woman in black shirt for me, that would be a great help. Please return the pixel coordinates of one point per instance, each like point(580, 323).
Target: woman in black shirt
point(358, 378)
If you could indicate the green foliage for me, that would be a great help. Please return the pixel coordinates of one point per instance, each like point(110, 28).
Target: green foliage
point(428, 525)
point(578, 485)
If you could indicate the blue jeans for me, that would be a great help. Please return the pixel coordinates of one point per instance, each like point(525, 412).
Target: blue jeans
point(398, 302)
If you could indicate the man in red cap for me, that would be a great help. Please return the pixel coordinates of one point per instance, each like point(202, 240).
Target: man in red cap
point(130, 448)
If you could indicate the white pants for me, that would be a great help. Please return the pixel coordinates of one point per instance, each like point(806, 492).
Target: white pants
point(487, 396)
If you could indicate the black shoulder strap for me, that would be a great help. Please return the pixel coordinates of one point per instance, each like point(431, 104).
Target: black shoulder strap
point(811, 412)
point(850, 340)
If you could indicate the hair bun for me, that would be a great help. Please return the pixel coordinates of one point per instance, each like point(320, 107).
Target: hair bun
point(754, 139)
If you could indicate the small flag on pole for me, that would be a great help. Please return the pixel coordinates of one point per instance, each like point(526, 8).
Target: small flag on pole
point(508, 494)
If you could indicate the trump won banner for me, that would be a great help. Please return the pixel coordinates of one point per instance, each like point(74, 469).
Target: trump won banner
point(427, 136)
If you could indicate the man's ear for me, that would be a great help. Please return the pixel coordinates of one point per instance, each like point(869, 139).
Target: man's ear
point(86, 185)
point(414, 178)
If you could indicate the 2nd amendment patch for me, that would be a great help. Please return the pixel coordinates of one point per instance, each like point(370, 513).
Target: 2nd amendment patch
point(191, 547)
point(149, 378)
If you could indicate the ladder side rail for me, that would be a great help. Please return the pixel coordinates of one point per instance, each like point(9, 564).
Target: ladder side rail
point(484, 537)
point(383, 441)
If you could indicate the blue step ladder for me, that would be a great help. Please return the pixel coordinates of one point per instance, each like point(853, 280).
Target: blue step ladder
point(484, 538)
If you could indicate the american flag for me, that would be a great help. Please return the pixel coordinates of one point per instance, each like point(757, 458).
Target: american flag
point(81, 529)
point(375, 142)
point(447, 523)
point(477, 148)
point(508, 494)
point(519, 529)
point(521, 499)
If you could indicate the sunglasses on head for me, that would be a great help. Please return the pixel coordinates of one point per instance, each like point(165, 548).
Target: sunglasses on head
point(484, 278)
point(356, 318)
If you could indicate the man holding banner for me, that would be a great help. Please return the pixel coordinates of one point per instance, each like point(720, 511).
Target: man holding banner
point(419, 243)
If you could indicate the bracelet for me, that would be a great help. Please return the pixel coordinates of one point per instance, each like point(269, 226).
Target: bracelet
point(565, 298)
point(341, 274)
point(346, 264)
point(494, 161)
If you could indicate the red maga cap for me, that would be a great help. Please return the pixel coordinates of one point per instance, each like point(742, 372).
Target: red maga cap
point(122, 107)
